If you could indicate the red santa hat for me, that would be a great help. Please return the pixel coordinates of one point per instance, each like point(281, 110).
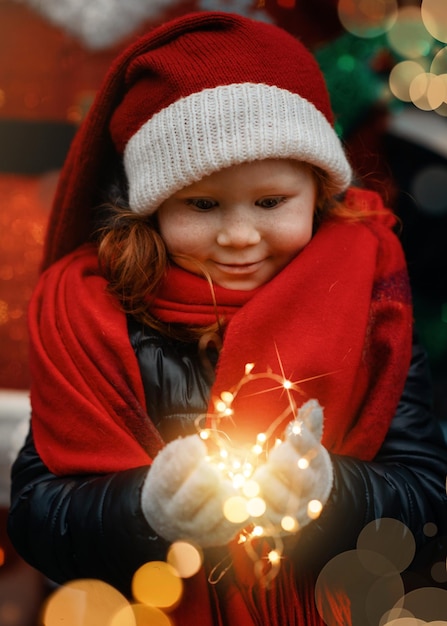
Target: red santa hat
point(198, 94)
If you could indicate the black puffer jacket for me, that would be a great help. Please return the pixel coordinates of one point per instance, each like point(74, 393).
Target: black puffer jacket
point(93, 526)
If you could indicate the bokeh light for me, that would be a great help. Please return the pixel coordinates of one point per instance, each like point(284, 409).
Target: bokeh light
point(289, 524)
point(401, 78)
point(390, 538)
point(157, 584)
point(367, 18)
point(368, 580)
point(434, 17)
point(408, 36)
point(406, 619)
point(439, 62)
point(428, 91)
point(429, 188)
point(314, 509)
point(140, 615)
point(184, 558)
point(256, 507)
point(427, 604)
point(85, 603)
point(235, 509)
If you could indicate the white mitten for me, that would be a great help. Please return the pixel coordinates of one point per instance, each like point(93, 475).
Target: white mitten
point(183, 495)
point(298, 470)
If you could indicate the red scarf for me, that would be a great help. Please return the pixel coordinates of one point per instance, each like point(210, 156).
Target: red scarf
point(337, 320)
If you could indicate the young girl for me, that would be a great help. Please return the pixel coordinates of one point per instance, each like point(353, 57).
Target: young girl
point(209, 268)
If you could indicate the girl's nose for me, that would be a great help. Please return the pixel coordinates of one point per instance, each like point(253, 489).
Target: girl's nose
point(238, 230)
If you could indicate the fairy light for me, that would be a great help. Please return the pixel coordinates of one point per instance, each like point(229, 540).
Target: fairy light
point(237, 465)
point(256, 507)
point(274, 557)
point(303, 463)
point(289, 524)
point(314, 509)
point(257, 531)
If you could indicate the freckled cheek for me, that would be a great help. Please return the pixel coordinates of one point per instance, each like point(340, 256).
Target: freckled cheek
point(291, 240)
point(182, 236)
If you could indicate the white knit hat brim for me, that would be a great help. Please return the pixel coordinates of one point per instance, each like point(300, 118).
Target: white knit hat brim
point(223, 126)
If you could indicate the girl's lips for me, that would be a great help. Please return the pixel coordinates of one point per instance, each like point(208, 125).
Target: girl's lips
point(239, 268)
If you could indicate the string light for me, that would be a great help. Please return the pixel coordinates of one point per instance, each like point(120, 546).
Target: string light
point(238, 465)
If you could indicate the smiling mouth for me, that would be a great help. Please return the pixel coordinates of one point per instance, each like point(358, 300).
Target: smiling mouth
point(239, 268)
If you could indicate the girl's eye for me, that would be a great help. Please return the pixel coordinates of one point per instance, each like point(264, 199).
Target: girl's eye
point(202, 204)
point(270, 203)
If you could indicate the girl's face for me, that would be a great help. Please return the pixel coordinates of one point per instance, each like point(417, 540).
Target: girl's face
point(243, 224)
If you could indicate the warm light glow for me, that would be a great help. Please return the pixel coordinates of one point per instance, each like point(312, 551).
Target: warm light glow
point(289, 524)
point(157, 584)
point(434, 16)
point(428, 91)
point(256, 507)
point(296, 428)
point(408, 36)
point(184, 558)
point(257, 449)
point(303, 463)
point(248, 469)
point(287, 384)
point(204, 434)
point(261, 438)
point(401, 77)
point(139, 615)
point(314, 509)
point(238, 481)
point(220, 406)
point(274, 557)
point(235, 509)
point(227, 397)
point(257, 531)
point(84, 603)
point(251, 489)
point(248, 368)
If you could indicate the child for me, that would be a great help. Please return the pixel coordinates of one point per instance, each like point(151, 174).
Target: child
point(207, 255)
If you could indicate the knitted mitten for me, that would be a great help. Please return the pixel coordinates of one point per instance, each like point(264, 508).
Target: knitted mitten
point(298, 470)
point(183, 495)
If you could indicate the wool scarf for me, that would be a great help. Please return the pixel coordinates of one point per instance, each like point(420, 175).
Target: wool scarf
point(336, 322)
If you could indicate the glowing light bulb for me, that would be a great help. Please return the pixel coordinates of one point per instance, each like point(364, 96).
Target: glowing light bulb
point(303, 463)
point(289, 524)
point(248, 368)
point(204, 434)
point(257, 531)
point(261, 438)
point(287, 384)
point(256, 507)
point(314, 509)
point(274, 557)
point(220, 406)
point(235, 509)
point(238, 481)
point(251, 489)
point(248, 470)
point(296, 428)
point(257, 449)
point(227, 397)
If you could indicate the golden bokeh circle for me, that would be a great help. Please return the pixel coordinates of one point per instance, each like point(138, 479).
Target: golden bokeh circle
point(157, 584)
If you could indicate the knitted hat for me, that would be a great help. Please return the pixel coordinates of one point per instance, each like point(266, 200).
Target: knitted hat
point(203, 92)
